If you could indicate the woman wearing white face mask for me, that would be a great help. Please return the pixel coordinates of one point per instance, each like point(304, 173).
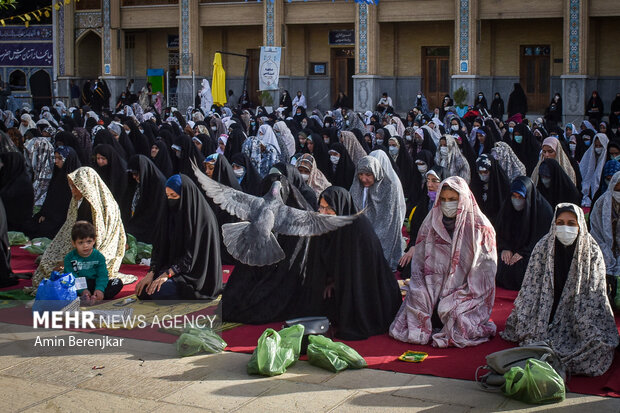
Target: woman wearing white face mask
point(523, 220)
point(491, 188)
point(563, 299)
point(452, 287)
point(555, 185)
point(449, 156)
point(591, 166)
point(311, 174)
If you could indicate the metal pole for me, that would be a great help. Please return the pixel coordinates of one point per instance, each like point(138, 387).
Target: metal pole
point(167, 88)
point(193, 88)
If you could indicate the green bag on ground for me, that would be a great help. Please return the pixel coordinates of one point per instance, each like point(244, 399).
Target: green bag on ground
point(325, 358)
point(130, 254)
point(17, 238)
point(276, 351)
point(38, 245)
point(144, 251)
point(538, 383)
point(344, 352)
point(195, 339)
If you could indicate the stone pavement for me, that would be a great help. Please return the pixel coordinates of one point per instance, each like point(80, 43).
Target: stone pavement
point(148, 376)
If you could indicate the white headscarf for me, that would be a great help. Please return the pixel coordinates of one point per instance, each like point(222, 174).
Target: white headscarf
point(389, 171)
point(591, 167)
point(266, 136)
point(31, 125)
point(286, 136)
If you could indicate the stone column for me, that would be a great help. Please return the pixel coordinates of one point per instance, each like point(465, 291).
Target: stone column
point(113, 49)
point(273, 35)
point(189, 41)
point(466, 48)
point(574, 94)
point(365, 82)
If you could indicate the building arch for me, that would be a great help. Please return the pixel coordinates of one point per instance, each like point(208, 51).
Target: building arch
point(17, 80)
point(88, 55)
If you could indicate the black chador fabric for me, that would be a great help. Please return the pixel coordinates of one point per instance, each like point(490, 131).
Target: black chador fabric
point(519, 231)
point(344, 172)
point(147, 202)
point(162, 159)
point(56, 204)
point(140, 142)
point(258, 295)
point(15, 190)
point(360, 138)
point(321, 155)
point(294, 178)
point(189, 242)
point(5, 247)
point(127, 144)
point(365, 295)
point(223, 173)
point(68, 139)
point(491, 195)
point(235, 141)
point(405, 166)
point(104, 136)
point(528, 150)
point(426, 144)
point(251, 182)
point(418, 180)
point(561, 267)
point(561, 188)
point(189, 154)
point(114, 174)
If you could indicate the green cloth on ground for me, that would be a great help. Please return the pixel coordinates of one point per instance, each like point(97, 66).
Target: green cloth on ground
point(17, 238)
point(12, 298)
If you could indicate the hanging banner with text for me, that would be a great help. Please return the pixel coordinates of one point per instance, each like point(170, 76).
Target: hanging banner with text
point(269, 68)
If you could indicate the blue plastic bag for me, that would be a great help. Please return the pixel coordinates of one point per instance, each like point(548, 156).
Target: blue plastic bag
point(55, 293)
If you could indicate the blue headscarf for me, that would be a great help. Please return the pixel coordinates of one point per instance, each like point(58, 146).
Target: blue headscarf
point(174, 183)
point(518, 187)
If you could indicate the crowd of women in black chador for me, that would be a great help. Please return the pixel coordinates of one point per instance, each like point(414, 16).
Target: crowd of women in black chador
point(338, 163)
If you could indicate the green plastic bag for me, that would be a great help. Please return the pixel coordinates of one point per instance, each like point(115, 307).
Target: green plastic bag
point(325, 358)
point(17, 238)
point(194, 340)
point(538, 383)
point(38, 245)
point(276, 351)
point(130, 254)
point(144, 251)
point(346, 353)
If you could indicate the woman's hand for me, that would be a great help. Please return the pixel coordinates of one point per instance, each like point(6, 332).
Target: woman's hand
point(145, 282)
point(41, 219)
point(156, 284)
point(515, 258)
point(506, 257)
point(406, 259)
point(97, 296)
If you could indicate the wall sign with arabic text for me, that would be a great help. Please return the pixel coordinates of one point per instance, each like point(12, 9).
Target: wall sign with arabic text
point(26, 54)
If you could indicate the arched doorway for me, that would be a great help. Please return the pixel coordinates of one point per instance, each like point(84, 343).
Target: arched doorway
point(41, 89)
point(88, 57)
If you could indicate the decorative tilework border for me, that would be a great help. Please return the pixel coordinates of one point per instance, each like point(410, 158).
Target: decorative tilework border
point(269, 23)
point(573, 36)
point(106, 37)
point(464, 30)
point(185, 36)
point(61, 41)
point(363, 38)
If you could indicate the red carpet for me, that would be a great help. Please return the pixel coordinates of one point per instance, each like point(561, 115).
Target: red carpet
point(381, 352)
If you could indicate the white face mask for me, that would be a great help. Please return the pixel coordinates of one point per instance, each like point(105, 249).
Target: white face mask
point(454, 127)
point(213, 128)
point(239, 172)
point(408, 137)
point(334, 159)
point(545, 181)
point(419, 96)
point(305, 177)
point(485, 178)
point(449, 208)
point(422, 168)
point(616, 195)
point(518, 203)
point(443, 150)
point(572, 146)
point(598, 151)
point(566, 235)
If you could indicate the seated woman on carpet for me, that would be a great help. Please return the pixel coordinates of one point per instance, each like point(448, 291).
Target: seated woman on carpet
point(563, 299)
point(186, 262)
point(347, 277)
point(604, 220)
point(92, 201)
point(524, 219)
point(452, 286)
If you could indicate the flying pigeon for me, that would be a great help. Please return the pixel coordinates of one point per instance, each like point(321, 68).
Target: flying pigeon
point(253, 242)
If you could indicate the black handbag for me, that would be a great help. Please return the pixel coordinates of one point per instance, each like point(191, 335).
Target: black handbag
point(312, 326)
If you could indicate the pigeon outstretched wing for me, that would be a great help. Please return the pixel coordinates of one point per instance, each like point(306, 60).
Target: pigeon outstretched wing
point(232, 201)
point(291, 221)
